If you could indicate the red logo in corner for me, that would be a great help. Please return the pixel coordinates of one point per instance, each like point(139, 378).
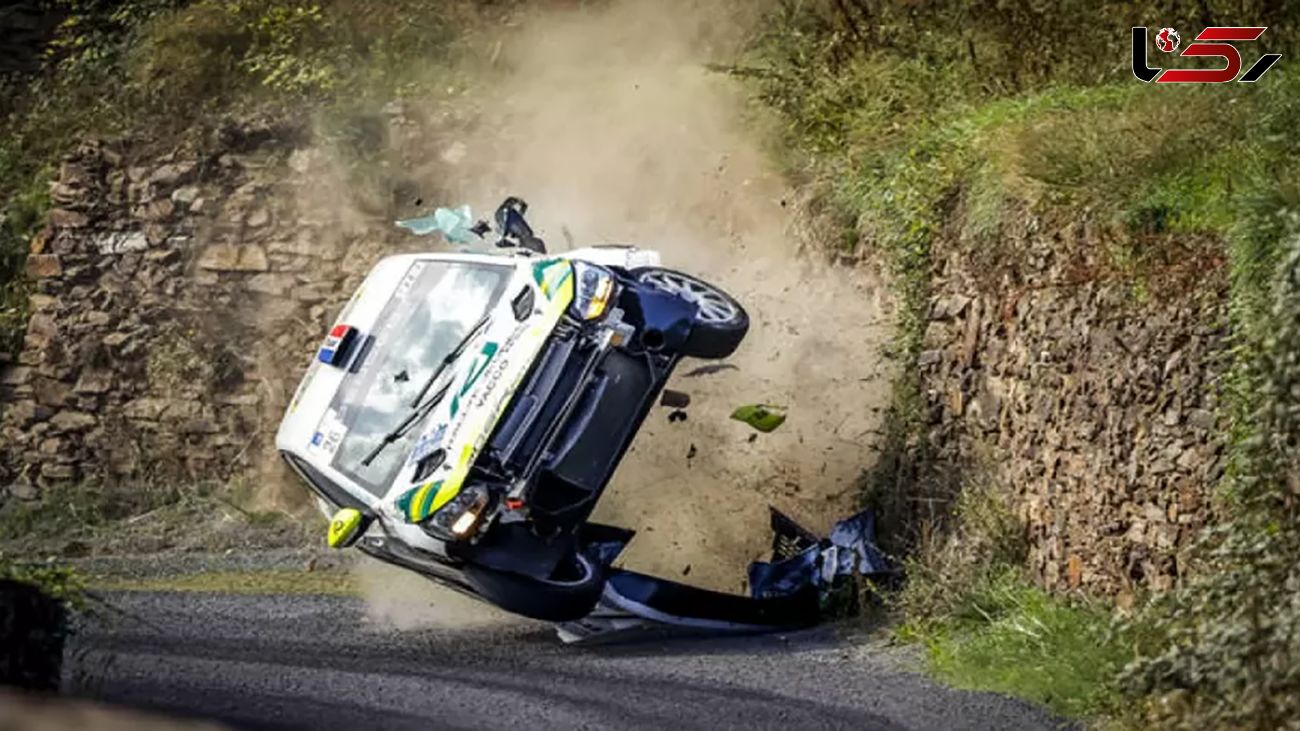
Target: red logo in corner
point(1214, 42)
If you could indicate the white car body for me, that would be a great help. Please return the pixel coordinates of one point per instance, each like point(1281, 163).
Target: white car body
point(313, 433)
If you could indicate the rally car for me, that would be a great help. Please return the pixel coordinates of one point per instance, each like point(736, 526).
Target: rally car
point(466, 411)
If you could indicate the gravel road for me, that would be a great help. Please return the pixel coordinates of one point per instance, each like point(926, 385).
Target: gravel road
point(316, 662)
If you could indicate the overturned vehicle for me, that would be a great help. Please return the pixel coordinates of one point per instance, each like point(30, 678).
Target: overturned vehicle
point(467, 410)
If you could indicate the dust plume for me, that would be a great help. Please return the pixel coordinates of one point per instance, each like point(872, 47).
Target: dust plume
point(398, 599)
point(610, 126)
point(607, 122)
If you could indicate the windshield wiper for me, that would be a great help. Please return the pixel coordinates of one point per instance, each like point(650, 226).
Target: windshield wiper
point(422, 410)
point(415, 417)
point(451, 358)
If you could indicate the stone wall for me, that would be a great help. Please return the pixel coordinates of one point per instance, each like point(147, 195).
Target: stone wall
point(1084, 382)
point(175, 302)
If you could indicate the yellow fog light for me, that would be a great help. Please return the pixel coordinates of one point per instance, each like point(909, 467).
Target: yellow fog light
point(464, 524)
point(593, 291)
point(600, 299)
point(345, 528)
point(467, 522)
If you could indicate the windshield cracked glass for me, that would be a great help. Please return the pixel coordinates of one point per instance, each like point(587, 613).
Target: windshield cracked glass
point(434, 307)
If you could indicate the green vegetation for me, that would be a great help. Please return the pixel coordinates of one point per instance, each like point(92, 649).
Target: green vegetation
point(959, 121)
point(333, 583)
point(71, 519)
point(985, 626)
point(61, 582)
point(1007, 635)
point(174, 68)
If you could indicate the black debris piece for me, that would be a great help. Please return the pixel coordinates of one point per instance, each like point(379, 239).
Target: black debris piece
point(710, 369)
point(674, 399)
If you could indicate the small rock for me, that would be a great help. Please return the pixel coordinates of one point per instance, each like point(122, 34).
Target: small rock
point(121, 242)
point(145, 409)
point(186, 196)
point(115, 340)
point(173, 173)
point(930, 357)
point(1202, 419)
point(163, 256)
point(17, 376)
point(159, 210)
point(258, 218)
point(44, 266)
point(58, 472)
point(93, 382)
point(234, 258)
point(272, 284)
point(50, 392)
point(72, 421)
point(64, 194)
point(199, 426)
point(23, 490)
point(63, 218)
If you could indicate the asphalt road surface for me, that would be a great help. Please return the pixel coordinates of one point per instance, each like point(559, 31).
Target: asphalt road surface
point(312, 662)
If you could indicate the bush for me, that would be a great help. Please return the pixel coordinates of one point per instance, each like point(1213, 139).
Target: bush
point(165, 66)
point(1231, 650)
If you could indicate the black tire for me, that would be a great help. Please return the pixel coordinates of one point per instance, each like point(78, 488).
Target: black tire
point(720, 323)
point(551, 600)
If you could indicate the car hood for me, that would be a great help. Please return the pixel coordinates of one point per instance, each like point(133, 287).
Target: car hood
point(481, 382)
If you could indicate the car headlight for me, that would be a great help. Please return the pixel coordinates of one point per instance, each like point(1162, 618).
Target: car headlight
point(593, 291)
point(462, 516)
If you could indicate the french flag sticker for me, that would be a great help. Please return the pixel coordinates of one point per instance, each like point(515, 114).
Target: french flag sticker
point(337, 344)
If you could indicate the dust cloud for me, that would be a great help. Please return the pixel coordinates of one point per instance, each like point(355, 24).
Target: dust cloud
point(397, 599)
point(607, 122)
point(611, 127)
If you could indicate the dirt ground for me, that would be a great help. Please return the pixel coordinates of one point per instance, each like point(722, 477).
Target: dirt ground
point(607, 122)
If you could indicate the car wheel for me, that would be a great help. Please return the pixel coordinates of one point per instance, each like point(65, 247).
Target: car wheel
point(720, 322)
point(569, 594)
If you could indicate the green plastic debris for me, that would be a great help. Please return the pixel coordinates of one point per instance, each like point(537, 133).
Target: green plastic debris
point(454, 223)
point(763, 417)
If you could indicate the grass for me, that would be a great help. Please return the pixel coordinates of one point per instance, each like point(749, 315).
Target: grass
point(985, 626)
point(333, 583)
point(1008, 636)
point(77, 519)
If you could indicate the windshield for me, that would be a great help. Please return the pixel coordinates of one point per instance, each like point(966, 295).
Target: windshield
point(434, 307)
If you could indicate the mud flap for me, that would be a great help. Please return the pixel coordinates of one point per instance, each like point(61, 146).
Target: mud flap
point(795, 589)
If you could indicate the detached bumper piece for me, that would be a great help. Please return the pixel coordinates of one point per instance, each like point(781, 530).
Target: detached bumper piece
point(802, 585)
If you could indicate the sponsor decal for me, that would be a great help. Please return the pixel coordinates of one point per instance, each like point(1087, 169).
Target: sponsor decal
point(328, 435)
point(427, 443)
point(551, 275)
point(491, 370)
